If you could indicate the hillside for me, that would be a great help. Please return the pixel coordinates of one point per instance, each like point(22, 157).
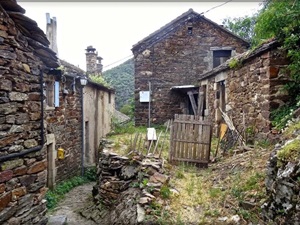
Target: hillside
point(122, 79)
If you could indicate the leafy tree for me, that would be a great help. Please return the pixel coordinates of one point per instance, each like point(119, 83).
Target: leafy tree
point(128, 109)
point(121, 78)
point(241, 26)
point(281, 20)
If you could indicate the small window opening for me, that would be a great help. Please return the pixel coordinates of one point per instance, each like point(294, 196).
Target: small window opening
point(220, 56)
point(190, 30)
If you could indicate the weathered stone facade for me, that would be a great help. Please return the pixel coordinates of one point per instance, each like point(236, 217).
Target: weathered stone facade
point(251, 90)
point(176, 55)
point(24, 59)
point(40, 113)
point(64, 123)
point(99, 107)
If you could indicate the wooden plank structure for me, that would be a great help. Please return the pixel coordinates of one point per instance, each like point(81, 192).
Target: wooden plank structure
point(190, 140)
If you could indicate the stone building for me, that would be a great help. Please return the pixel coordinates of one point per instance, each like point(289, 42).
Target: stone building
point(41, 114)
point(172, 58)
point(99, 108)
point(26, 63)
point(79, 120)
point(249, 90)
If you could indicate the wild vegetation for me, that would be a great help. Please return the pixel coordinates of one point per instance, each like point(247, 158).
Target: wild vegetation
point(242, 26)
point(281, 20)
point(233, 187)
point(57, 194)
point(99, 80)
point(122, 79)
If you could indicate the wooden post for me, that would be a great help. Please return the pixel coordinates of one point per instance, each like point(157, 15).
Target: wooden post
point(192, 99)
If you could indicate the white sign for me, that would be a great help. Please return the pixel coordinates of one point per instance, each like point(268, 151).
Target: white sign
point(144, 96)
point(151, 134)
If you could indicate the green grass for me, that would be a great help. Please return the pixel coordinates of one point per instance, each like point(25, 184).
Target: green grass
point(54, 196)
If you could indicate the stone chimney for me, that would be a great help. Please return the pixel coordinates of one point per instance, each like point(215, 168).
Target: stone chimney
point(93, 61)
point(99, 64)
point(51, 32)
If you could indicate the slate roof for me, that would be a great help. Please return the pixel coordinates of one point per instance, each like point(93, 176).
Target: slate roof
point(121, 117)
point(172, 26)
point(34, 35)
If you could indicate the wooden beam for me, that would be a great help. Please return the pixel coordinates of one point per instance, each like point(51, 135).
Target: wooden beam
point(200, 103)
point(192, 99)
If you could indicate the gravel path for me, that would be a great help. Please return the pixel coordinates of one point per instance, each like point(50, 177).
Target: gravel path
point(75, 200)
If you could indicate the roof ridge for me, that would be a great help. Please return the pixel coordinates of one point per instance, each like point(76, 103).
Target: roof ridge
point(177, 19)
point(190, 11)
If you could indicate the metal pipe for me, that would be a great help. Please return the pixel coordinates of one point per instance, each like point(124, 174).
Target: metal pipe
point(149, 106)
point(36, 148)
point(82, 133)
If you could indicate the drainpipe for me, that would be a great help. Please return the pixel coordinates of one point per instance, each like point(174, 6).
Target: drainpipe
point(36, 148)
point(82, 132)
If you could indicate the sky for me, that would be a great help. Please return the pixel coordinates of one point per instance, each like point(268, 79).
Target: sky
point(114, 27)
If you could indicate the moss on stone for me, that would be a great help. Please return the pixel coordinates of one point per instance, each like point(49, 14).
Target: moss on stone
point(292, 129)
point(234, 63)
point(290, 152)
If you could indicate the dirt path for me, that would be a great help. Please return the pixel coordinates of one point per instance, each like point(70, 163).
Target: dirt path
point(75, 200)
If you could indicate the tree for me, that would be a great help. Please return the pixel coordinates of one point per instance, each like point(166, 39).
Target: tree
point(242, 26)
point(281, 20)
point(121, 78)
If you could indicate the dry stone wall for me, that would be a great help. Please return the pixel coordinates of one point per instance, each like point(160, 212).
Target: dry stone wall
point(283, 189)
point(255, 89)
point(125, 189)
point(22, 179)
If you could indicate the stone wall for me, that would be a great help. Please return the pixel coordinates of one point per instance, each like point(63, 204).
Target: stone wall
point(177, 59)
point(125, 189)
point(282, 205)
point(65, 123)
point(99, 104)
point(22, 155)
point(253, 89)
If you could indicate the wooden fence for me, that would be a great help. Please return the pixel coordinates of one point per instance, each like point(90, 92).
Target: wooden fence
point(190, 140)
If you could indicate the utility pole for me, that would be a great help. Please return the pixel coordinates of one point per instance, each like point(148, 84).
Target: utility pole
point(149, 106)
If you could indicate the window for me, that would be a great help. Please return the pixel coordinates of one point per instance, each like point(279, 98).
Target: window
point(51, 94)
point(220, 56)
point(190, 30)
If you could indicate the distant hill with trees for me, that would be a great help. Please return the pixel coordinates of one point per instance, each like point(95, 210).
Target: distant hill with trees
point(121, 78)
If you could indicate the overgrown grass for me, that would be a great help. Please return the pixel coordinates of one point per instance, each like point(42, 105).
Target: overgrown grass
point(54, 196)
point(213, 193)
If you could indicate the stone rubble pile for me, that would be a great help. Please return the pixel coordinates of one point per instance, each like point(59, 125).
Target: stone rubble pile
point(126, 188)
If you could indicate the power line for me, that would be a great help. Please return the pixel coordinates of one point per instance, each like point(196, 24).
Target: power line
point(216, 7)
point(118, 61)
point(200, 14)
